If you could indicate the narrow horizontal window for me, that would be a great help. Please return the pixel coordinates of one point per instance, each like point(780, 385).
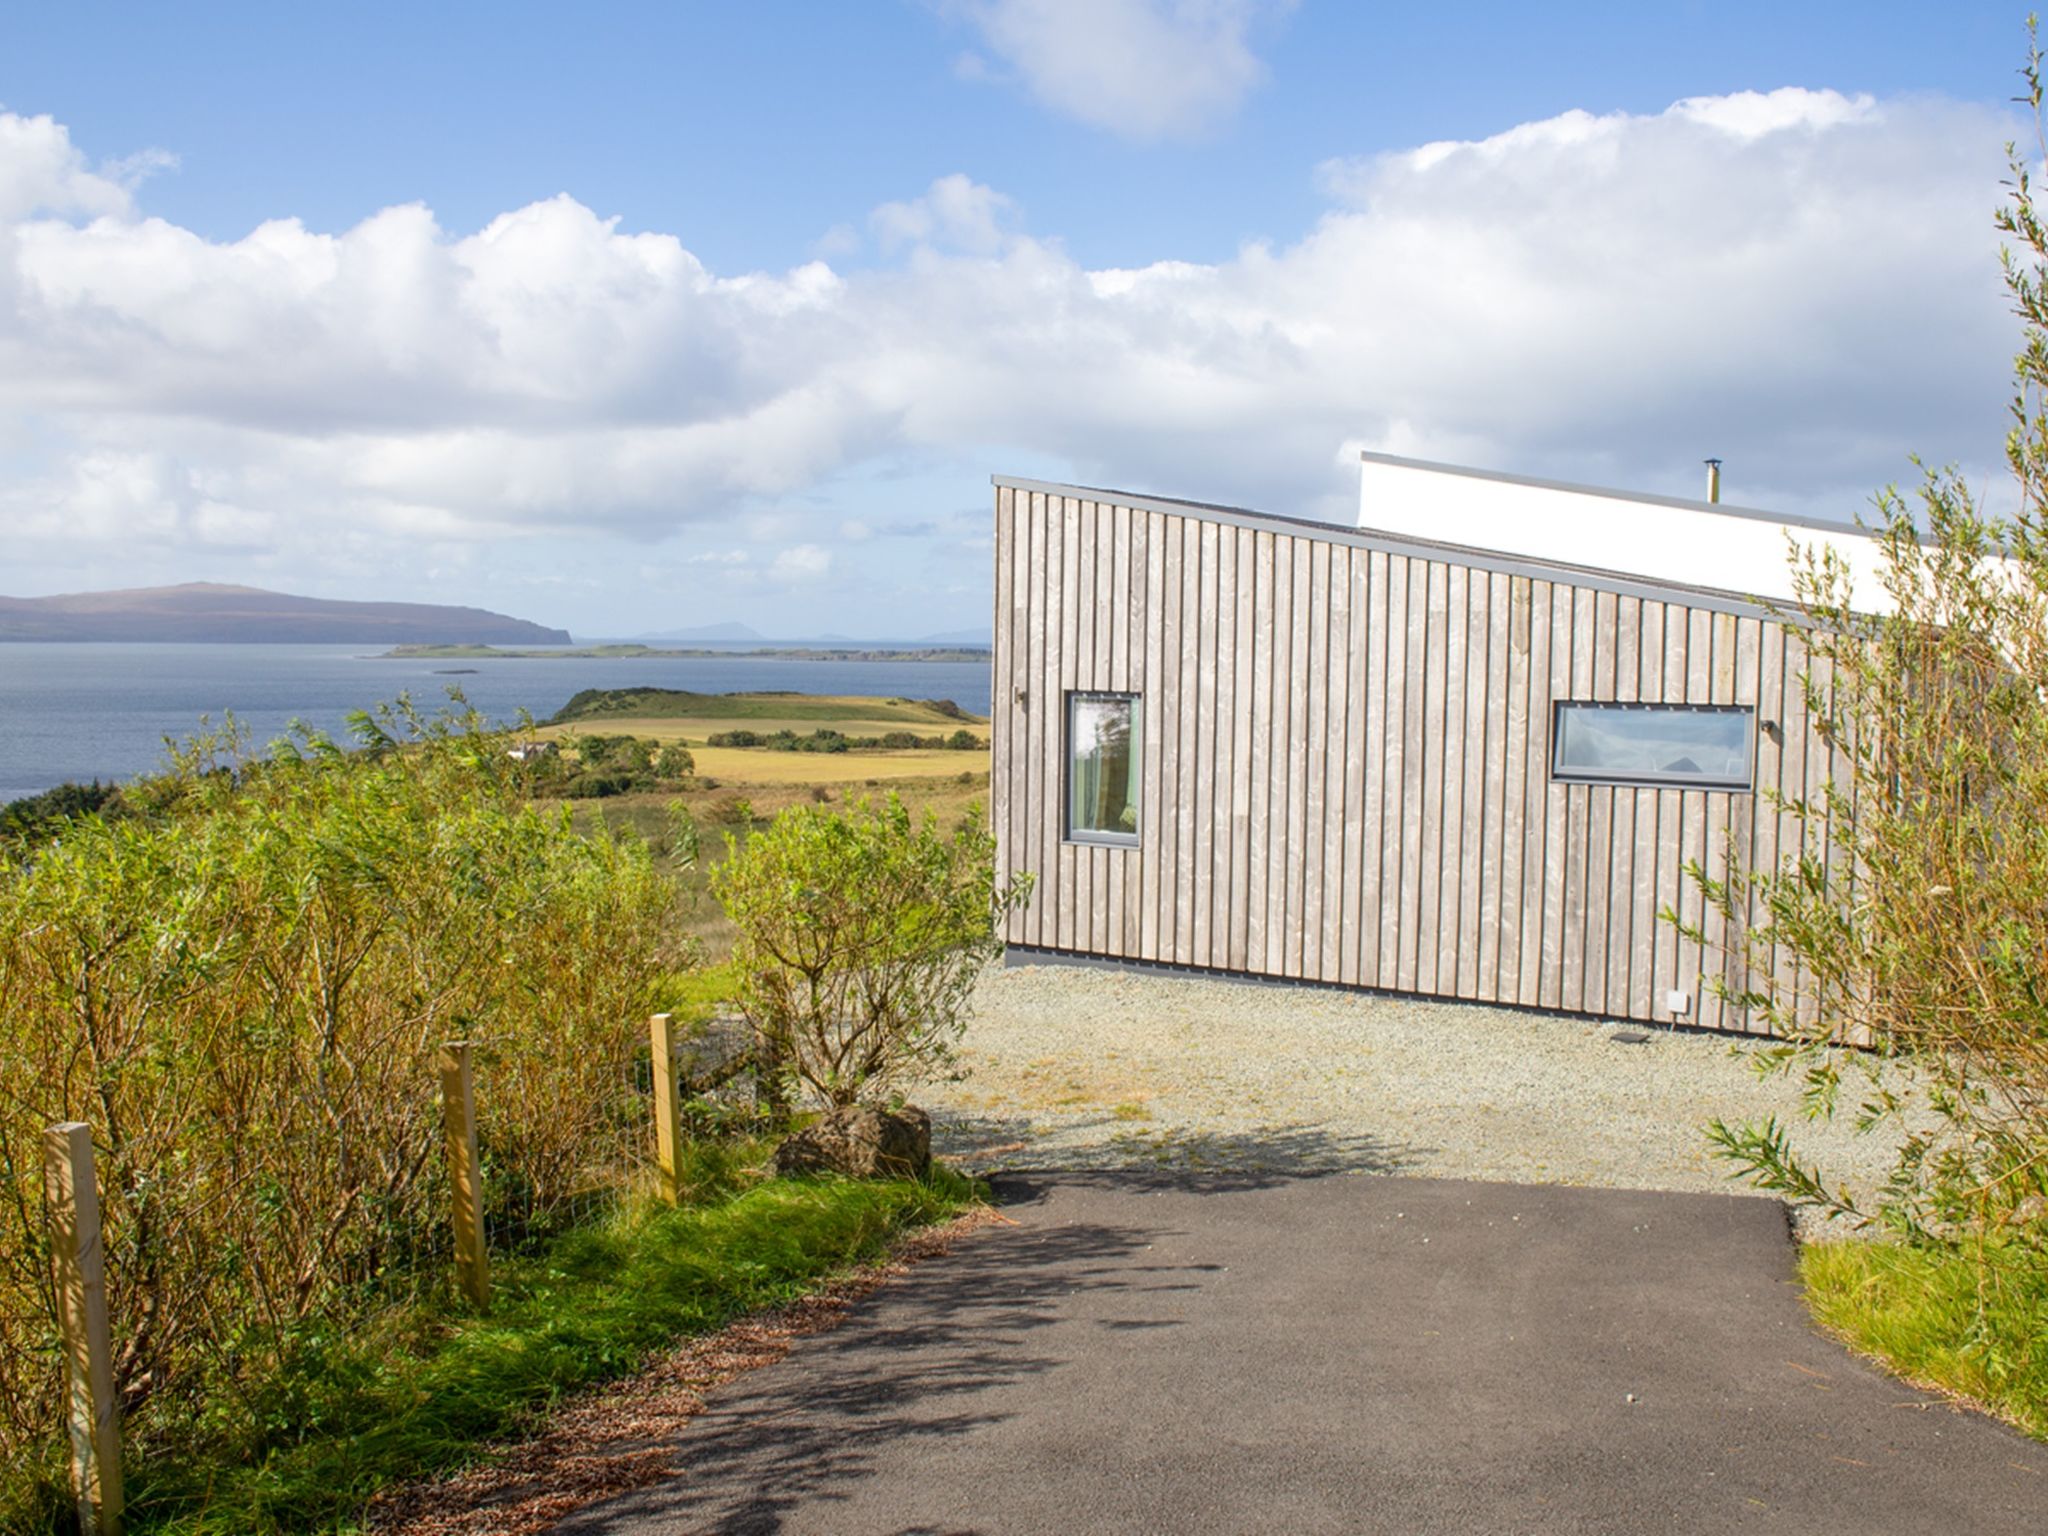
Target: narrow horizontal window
point(1682, 746)
point(1103, 740)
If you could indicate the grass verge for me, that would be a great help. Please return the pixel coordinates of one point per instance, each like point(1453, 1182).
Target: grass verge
point(1938, 1318)
point(421, 1391)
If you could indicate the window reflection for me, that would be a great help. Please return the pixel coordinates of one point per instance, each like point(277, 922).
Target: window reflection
point(1102, 766)
point(1682, 745)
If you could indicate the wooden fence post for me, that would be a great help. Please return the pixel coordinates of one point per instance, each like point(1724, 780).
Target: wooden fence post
point(79, 1263)
point(668, 1106)
point(465, 1182)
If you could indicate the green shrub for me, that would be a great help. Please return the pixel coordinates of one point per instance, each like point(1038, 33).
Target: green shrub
point(241, 989)
point(1914, 900)
point(860, 936)
point(37, 816)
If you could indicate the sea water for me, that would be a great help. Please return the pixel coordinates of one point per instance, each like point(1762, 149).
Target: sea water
point(79, 711)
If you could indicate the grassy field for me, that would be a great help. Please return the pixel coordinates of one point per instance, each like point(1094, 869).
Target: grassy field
point(669, 715)
point(758, 766)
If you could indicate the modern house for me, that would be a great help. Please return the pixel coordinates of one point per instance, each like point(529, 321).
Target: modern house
point(1465, 749)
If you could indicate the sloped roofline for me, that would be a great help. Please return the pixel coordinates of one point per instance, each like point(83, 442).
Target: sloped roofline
point(1620, 582)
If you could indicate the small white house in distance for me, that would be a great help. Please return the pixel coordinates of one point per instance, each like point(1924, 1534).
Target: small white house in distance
point(1462, 750)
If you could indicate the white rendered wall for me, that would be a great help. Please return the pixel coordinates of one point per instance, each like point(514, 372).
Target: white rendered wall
point(1698, 544)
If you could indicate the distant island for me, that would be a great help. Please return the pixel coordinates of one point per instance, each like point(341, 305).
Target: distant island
point(632, 652)
point(729, 634)
point(778, 708)
point(726, 632)
point(207, 611)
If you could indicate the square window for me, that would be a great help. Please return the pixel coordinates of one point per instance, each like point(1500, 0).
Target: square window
point(1103, 754)
point(1656, 746)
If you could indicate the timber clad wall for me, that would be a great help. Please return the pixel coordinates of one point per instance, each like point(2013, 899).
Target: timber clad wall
point(1346, 757)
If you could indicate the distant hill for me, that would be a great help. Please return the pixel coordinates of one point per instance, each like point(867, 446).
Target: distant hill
point(745, 634)
point(729, 631)
point(208, 611)
point(982, 637)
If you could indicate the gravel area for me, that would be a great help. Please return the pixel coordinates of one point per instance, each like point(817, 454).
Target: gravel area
point(1076, 1067)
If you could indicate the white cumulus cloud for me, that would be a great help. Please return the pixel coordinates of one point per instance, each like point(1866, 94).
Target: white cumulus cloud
point(41, 170)
point(1145, 69)
point(955, 212)
point(1803, 283)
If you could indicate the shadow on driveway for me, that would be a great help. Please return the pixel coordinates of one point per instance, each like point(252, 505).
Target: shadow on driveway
point(1105, 1141)
point(1244, 1351)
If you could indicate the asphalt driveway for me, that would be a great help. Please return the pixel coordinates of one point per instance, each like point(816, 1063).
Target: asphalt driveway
point(1339, 1354)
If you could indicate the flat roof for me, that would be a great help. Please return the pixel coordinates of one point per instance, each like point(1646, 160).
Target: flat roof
point(1645, 498)
point(1623, 583)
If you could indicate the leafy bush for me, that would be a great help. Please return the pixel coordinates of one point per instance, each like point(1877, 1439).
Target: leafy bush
point(860, 935)
point(241, 989)
point(36, 816)
point(626, 754)
point(1915, 901)
point(734, 811)
point(617, 765)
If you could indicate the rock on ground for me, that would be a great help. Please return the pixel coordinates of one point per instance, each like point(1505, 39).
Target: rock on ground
point(861, 1142)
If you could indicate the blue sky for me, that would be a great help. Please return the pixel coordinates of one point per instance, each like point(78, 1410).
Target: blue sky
point(634, 317)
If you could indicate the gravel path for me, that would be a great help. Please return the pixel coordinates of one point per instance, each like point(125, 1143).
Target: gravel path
point(1073, 1067)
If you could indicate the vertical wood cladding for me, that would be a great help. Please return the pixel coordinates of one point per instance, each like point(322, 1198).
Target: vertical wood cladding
point(1346, 760)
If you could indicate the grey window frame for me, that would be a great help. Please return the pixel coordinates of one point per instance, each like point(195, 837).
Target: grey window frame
point(1743, 786)
point(1088, 836)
